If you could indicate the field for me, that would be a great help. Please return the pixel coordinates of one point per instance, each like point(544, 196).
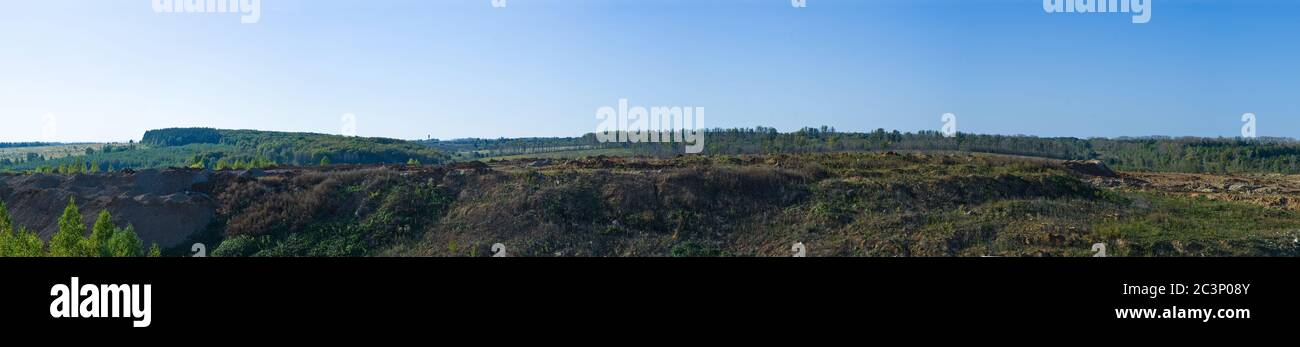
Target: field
point(50, 152)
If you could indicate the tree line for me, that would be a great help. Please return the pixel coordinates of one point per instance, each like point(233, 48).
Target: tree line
point(232, 149)
point(243, 149)
point(26, 144)
point(1165, 154)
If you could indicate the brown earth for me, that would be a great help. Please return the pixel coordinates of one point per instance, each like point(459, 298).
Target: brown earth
point(174, 206)
point(1090, 167)
point(165, 206)
point(1269, 190)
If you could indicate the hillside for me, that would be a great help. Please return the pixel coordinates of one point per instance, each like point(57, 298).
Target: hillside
point(838, 204)
point(223, 149)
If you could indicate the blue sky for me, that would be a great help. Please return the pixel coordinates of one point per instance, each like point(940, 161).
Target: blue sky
point(108, 70)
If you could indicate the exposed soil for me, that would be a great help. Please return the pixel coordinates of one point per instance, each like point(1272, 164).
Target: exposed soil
point(165, 206)
point(1270, 190)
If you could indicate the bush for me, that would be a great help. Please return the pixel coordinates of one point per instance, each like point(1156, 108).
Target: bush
point(24, 244)
point(238, 246)
point(694, 249)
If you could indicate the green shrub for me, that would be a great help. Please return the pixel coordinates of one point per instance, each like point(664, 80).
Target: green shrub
point(125, 243)
point(237, 246)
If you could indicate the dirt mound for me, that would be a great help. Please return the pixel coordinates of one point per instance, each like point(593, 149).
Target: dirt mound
point(176, 206)
point(163, 205)
point(1090, 167)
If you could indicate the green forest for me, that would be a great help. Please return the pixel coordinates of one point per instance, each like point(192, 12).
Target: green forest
point(231, 149)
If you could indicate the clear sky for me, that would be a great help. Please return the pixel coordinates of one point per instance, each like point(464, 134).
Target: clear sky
point(107, 70)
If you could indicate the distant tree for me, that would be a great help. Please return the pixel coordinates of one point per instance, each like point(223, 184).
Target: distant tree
point(70, 240)
point(324, 161)
point(413, 162)
point(222, 164)
point(79, 166)
point(154, 251)
point(196, 162)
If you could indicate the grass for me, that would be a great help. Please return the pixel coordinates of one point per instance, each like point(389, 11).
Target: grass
point(1180, 224)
